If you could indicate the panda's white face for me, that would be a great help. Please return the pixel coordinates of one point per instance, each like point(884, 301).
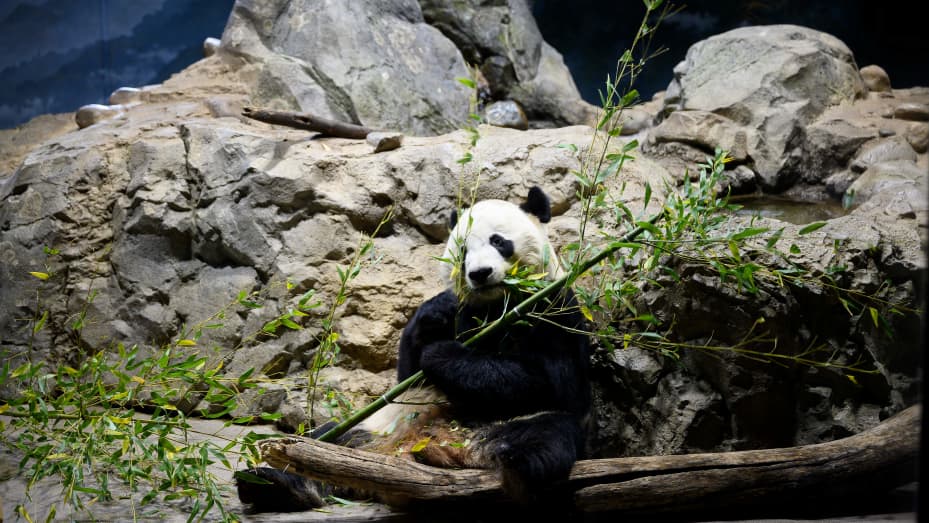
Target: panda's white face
point(487, 240)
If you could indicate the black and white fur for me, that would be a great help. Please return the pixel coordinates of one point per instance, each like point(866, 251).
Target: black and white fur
point(517, 400)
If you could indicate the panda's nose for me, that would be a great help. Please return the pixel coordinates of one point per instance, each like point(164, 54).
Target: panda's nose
point(480, 275)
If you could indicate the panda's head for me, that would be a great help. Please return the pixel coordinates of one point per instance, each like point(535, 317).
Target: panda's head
point(489, 238)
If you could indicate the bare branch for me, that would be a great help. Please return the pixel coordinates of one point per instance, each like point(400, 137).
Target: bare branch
point(308, 122)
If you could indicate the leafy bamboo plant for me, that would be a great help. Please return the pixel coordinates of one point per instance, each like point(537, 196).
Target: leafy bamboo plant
point(122, 412)
point(598, 159)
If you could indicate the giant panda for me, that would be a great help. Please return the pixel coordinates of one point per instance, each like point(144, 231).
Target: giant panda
point(517, 401)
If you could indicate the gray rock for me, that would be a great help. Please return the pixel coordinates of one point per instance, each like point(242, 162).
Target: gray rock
point(95, 113)
point(838, 183)
point(912, 111)
point(373, 63)
point(889, 176)
point(126, 95)
point(771, 79)
point(547, 96)
point(384, 141)
point(827, 147)
point(704, 130)
point(883, 150)
point(507, 114)
point(484, 30)
point(635, 120)
point(740, 180)
point(210, 46)
point(502, 39)
point(917, 135)
point(875, 78)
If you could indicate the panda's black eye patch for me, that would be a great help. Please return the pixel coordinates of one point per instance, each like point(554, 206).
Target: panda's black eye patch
point(503, 246)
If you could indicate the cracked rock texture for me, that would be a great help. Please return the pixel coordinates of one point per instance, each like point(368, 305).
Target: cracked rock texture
point(168, 208)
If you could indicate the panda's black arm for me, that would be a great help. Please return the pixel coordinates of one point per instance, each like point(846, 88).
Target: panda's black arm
point(433, 321)
point(474, 379)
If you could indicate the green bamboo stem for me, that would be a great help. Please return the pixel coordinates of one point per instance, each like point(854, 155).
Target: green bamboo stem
point(503, 321)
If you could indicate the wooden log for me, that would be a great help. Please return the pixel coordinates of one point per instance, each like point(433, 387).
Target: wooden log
point(629, 484)
point(308, 122)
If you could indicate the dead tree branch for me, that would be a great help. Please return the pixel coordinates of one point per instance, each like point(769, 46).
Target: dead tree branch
point(651, 483)
point(308, 122)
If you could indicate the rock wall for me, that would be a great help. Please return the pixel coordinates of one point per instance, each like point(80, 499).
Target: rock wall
point(172, 203)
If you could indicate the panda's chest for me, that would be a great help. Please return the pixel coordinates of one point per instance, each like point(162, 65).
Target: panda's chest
point(514, 339)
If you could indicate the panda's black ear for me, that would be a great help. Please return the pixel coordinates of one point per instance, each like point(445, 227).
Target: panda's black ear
point(537, 204)
point(452, 220)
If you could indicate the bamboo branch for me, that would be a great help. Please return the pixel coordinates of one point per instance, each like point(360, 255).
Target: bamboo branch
point(511, 316)
point(308, 122)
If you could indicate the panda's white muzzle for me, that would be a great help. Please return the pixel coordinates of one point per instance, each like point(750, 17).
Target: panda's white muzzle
point(484, 266)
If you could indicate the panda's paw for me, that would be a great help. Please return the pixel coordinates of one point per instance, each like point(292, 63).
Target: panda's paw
point(435, 324)
point(272, 490)
point(439, 355)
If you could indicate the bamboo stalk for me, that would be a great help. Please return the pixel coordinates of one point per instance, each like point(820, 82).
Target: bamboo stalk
point(501, 322)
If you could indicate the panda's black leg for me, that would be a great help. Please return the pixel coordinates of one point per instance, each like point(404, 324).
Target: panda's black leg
point(271, 490)
point(536, 452)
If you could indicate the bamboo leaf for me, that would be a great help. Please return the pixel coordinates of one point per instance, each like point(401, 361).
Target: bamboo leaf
point(420, 445)
point(811, 227)
point(587, 314)
point(648, 226)
point(40, 275)
point(41, 323)
point(749, 232)
point(774, 238)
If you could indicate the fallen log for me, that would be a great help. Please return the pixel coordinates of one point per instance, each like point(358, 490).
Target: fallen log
point(308, 122)
point(652, 483)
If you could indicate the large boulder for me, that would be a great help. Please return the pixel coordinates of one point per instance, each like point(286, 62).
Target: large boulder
point(772, 80)
point(374, 63)
point(395, 65)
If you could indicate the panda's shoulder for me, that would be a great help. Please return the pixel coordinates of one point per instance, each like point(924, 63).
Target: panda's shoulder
point(444, 304)
point(444, 300)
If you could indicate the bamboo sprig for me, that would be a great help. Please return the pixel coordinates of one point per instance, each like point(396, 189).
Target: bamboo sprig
point(511, 316)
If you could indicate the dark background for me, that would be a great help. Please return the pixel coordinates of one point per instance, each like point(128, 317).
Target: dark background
point(57, 55)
